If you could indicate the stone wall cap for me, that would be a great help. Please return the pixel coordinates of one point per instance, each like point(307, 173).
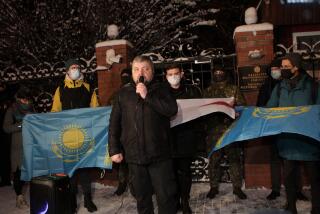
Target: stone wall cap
point(113, 42)
point(254, 27)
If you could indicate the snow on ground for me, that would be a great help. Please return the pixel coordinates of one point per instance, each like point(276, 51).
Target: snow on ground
point(224, 203)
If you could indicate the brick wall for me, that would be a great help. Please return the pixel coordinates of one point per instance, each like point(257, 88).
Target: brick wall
point(257, 163)
point(250, 41)
point(109, 78)
point(109, 82)
point(256, 152)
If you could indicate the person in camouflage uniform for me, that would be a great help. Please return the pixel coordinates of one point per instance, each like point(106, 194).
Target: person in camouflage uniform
point(216, 125)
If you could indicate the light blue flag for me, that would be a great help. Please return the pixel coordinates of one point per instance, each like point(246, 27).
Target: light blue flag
point(61, 142)
point(257, 122)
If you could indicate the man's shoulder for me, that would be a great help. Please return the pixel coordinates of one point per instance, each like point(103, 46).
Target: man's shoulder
point(129, 87)
point(193, 90)
point(155, 86)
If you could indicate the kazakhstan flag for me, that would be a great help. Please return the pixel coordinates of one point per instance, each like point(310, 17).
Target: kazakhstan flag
point(61, 142)
point(258, 122)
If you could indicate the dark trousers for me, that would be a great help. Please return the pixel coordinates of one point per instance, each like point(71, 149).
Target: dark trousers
point(81, 176)
point(123, 172)
point(233, 153)
point(275, 166)
point(5, 158)
point(158, 177)
point(183, 175)
point(313, 170)
point(17, 182)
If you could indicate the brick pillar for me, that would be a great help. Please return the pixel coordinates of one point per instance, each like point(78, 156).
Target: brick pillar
point(109, 78)
point(254, 38)
point(108, 83)
point(251, 38)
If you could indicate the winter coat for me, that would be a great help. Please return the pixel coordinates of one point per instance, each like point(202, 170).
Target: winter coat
point(142, 126)
point(292, 146)
point(74, 94)
point(13, 125)
point(184, 137)
point(265, 91)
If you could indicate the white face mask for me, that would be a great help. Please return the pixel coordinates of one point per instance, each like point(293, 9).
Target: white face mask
point(174, 80)
point(74, 74)
point(276, 74)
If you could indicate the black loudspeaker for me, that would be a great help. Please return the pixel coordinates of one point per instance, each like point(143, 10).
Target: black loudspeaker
point(50, 195)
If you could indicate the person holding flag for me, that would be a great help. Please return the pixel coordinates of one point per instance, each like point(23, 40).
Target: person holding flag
point(184, 137)
point(217, 124)
point(297, 89)
point(71, 94)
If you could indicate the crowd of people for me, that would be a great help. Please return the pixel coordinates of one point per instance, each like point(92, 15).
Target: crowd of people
point(155, 159)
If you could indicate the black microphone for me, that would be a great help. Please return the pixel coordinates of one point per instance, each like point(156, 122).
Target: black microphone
point(141, 79)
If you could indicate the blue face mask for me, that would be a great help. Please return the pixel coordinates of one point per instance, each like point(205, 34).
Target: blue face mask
point(276, 74)
point(74, 74)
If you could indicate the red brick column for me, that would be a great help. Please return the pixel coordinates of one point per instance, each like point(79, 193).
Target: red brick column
point(250, 38)
point(257, 152)
point(109, 78)
point(108, 83)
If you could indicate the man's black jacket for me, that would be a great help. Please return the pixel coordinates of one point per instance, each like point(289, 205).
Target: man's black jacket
point(142, 126)
point(186, 136)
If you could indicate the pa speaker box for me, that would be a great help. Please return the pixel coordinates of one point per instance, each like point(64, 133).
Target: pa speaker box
point(50, 195)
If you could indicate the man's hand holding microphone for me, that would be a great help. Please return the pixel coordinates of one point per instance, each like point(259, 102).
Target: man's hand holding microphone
point(141, 88)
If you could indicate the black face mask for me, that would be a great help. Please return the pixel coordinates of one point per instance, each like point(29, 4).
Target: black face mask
point(286, 73)
point(125, 79)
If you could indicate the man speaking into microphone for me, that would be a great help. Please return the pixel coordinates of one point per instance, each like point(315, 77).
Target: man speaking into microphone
point(139, 132)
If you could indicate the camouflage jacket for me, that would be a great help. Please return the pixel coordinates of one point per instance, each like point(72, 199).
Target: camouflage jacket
point(217, 123)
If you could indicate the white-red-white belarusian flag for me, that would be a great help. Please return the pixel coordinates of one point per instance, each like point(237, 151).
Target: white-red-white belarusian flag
point(190, 109)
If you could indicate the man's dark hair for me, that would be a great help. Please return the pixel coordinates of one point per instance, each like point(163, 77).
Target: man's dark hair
point(173, 66)
point(294, 58)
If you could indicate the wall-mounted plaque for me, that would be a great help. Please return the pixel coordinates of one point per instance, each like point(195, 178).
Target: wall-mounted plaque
point(252, 77)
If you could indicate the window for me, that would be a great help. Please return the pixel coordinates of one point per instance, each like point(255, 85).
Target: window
point(306, 41)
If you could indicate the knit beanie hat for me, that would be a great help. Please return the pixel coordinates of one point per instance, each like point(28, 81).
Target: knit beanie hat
point(275, 63)
point(126, 71)
point(70, 62)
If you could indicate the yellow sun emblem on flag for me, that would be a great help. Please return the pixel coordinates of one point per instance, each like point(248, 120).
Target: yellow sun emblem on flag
point(279, 112)
point(74, 142)
point(73, 138)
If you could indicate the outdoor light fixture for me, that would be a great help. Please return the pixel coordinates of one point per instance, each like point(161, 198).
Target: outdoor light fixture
point(256, 54)
point(299, 1)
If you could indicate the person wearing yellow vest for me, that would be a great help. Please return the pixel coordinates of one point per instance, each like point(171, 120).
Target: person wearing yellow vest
point(71, 94)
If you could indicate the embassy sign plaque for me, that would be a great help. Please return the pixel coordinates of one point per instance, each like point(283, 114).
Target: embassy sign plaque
point(251, 78)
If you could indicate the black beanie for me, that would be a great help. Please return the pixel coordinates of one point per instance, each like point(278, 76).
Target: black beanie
point(70, 62)
point(275, 63)
point(23, 93)
point(126, 71)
